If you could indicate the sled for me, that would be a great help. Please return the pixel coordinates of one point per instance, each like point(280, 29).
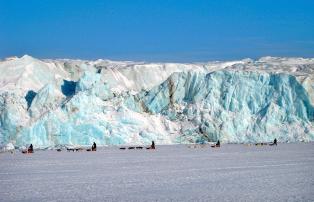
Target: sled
point(27, 152)
point(195, 146)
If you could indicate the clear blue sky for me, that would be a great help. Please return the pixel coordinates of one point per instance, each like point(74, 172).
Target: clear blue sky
point(156, 30)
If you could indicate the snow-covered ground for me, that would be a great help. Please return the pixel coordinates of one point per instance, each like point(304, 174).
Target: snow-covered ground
point(170, 173)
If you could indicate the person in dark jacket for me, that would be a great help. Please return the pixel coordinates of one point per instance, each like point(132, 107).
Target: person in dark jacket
point(274, 142)
point(30, 149)
point(94, 146)
point(153, 145)
point(218, 144)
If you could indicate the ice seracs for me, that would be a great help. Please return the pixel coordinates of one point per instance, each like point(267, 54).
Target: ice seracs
point(63, 102)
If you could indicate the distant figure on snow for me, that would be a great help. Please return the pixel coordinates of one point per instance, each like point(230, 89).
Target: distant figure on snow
point(94, 147)
point(217, 144)
point(30, 149)
point(274, 143)
point(153, 145)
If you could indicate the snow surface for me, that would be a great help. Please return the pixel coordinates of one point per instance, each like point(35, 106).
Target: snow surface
point(169, 173)
point(76, 102)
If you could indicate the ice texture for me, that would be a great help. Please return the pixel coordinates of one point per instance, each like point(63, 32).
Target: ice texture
point(76, 102)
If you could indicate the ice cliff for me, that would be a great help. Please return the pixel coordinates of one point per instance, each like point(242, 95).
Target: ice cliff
point(61, 102)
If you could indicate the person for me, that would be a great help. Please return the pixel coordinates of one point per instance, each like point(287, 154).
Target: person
point(218, 144)
point(274, 143)
point(94, 147)
point(30, 149)
point(153, 145)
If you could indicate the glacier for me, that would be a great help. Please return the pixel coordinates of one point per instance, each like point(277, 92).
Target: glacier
point(53, 102)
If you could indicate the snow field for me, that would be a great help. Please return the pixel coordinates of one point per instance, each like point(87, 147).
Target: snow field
point(169, 173)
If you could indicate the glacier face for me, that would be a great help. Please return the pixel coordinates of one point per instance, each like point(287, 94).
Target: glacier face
point(62, 102)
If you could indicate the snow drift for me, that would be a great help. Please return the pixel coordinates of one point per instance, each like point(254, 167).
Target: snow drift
point(59, 102)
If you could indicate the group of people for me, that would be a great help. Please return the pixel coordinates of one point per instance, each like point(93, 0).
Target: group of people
point(274, 143)
point(30, 149)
